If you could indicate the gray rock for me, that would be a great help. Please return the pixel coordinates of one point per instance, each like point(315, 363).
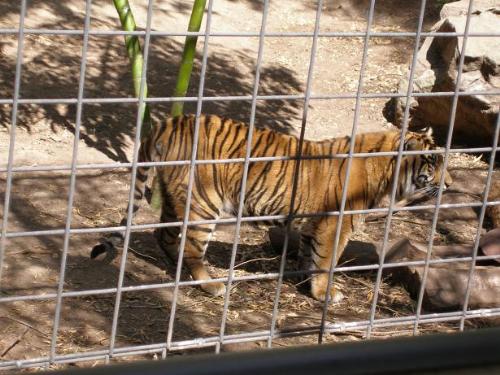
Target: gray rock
point(446, 283)
point(436, 71)
point(493, 212)
point(490, 243)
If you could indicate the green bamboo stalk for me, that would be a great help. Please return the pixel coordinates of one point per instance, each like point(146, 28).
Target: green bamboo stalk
point(188, 55)
point(183, 78)
point(134, 52)
point(136, 59)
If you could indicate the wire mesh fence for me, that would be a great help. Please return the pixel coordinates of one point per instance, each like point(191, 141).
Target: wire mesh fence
point(216, 339)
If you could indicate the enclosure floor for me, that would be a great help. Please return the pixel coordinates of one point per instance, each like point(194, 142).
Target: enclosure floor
point(32, 267)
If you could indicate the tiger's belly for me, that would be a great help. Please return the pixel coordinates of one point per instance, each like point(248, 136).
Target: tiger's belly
point(267, 213)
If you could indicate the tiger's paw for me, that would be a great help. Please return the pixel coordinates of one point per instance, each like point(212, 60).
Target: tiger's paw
point(319, 290)
point(335, 295)
point(215, 289)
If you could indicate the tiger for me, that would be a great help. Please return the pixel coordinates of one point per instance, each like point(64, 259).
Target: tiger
point(320, 180)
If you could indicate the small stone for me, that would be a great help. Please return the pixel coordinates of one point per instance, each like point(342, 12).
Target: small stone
point(490, 243)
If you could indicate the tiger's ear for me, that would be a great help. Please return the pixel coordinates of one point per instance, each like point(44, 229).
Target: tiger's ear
point(427, 131)
point(412, 144)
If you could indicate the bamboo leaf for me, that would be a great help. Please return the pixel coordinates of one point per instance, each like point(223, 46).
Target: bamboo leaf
point(135, 56)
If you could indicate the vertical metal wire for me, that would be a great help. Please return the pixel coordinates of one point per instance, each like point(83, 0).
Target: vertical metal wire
point(480, 223)
point(392, 200)
point(12, 141)
point(192, 170)
point(289, 220)
point(72, 184)
point(246, 164)
point(137, 142)
point(357, 111)
point(453, 112)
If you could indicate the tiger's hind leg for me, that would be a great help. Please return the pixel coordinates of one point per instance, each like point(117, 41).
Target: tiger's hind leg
point(168, 237)
point(197, 240)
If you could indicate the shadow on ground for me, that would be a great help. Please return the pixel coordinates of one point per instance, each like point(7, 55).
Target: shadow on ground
point(51, 69)
point(32, 266)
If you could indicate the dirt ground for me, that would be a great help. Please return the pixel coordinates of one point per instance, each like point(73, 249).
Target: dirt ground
point(44, 136)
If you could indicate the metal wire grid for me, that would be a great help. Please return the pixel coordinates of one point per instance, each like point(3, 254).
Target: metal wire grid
point(273, 332)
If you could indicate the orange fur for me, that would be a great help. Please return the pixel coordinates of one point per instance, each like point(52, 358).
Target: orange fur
point(268, 190)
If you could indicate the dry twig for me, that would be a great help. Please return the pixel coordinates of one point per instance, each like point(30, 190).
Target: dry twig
point(24, 324)
point(16, 341)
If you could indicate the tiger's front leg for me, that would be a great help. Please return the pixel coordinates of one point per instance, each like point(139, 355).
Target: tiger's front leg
point(321, 255)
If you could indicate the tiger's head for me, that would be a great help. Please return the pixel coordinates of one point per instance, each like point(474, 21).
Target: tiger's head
point(421, 173)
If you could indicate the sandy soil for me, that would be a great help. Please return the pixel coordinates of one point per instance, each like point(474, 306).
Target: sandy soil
point(44, 136)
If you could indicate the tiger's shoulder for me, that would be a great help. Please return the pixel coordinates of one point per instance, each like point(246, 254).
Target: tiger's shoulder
point(389, 140)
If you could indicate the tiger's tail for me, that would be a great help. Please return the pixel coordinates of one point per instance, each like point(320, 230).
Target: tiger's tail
point(107, 244)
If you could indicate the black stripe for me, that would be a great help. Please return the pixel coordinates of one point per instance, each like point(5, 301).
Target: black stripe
point(313, 249)
point(196, 243)
point(203, 195)
point(203, 214)
point(185, 257)
point(256, 143)
point(201, 229)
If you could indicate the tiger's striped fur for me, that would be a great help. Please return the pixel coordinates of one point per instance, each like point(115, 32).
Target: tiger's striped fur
point(216, 187)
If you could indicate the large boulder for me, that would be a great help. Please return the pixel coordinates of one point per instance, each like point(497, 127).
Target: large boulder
point(446, 283)
point(436, 71)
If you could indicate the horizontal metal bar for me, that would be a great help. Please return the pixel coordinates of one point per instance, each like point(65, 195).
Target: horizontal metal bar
point(284, 34)
point(125, 100)
point(244, 278)
point(250, 219)
point(134, 288)
point(247, 337)
point(46, 168)
point(231, 220)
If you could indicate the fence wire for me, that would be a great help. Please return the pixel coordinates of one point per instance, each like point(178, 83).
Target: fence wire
point(274, 332)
